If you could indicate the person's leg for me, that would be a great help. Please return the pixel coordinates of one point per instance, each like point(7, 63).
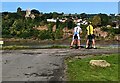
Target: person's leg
point(93, 43)
point(78, 44)
point(78, 40)
point(88, 37)
point(72, 43)
point(87, 43)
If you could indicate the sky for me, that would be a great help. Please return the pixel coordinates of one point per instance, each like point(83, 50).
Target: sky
point(66, 7)
point(60, 0)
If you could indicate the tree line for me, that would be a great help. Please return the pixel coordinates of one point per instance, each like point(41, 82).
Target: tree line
point(16, 25)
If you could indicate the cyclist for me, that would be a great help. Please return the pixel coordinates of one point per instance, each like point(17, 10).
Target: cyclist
point(90, 35)
point(77, 30)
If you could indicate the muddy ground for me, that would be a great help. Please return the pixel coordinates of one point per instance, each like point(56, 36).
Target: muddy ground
point(41, 64)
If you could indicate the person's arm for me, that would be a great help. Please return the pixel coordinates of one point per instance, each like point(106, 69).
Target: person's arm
point(80, 31)
point(72, 31)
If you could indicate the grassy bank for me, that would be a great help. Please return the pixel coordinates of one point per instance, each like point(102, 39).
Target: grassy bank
point(17, 47)
point(81, 70)
point(13, 41)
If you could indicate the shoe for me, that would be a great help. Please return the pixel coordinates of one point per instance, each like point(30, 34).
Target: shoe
point(86, 47)
point(79, 47)
point(94, 48)
point(71, 47)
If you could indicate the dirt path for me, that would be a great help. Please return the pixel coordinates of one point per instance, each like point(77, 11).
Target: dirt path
point(40, 64)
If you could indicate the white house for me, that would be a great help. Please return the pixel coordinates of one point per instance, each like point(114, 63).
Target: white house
point(51, 20)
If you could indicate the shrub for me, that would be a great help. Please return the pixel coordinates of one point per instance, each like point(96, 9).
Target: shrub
point(44, 35)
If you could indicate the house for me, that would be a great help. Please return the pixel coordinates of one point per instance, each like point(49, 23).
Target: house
point(117, 23)
point(51, 20)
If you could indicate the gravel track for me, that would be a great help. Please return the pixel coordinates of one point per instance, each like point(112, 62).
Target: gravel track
point(41, 64)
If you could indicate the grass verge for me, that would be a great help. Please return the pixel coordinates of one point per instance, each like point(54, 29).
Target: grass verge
point(81, 70)
point(16, 47)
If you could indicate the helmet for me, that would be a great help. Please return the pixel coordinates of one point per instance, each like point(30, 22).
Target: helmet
point(90, 22)
point(78, 24)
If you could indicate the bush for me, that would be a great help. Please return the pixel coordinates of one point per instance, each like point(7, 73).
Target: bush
point(44, 35)
point(83, 27)
point(104, 28)
point(115, 31)
point(58, 34)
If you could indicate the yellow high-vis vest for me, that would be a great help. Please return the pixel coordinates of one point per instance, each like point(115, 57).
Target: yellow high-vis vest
point(90, 30)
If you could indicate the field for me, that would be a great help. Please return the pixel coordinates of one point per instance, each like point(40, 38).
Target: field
point(81, 70)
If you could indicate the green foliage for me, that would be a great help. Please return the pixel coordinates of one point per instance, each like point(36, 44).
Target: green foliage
point(16, 25)
point(104, 28)
point(19, 10)
point(104, 19)
point(55, 15)
point(70, 23)
point(57, 23)
point(60, 25)
point(42, 23)
point(15, 47)
point(44, 35)
point(23, 28)
point(83, 27)
point(83, 15)
point(58, 34)
point(47, 34)
point(96, 20)
point(34, 11)
point(17, 28)
point(81, 70)
point(114, 31)
point(111, 30)
point(19, 13)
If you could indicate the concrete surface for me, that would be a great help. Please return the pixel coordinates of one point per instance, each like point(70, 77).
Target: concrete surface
point(41, 64)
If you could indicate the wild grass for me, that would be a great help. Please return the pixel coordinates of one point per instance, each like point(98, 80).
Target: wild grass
point(81, 70)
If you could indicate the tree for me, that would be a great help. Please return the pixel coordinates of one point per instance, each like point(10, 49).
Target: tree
point(96, 20)
point(83, 15)
point(5, 13)
point(70, 23)
point(55, 15)
point(19, 10)
point(34, 11)
point(57, 23)
point(104, 19)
